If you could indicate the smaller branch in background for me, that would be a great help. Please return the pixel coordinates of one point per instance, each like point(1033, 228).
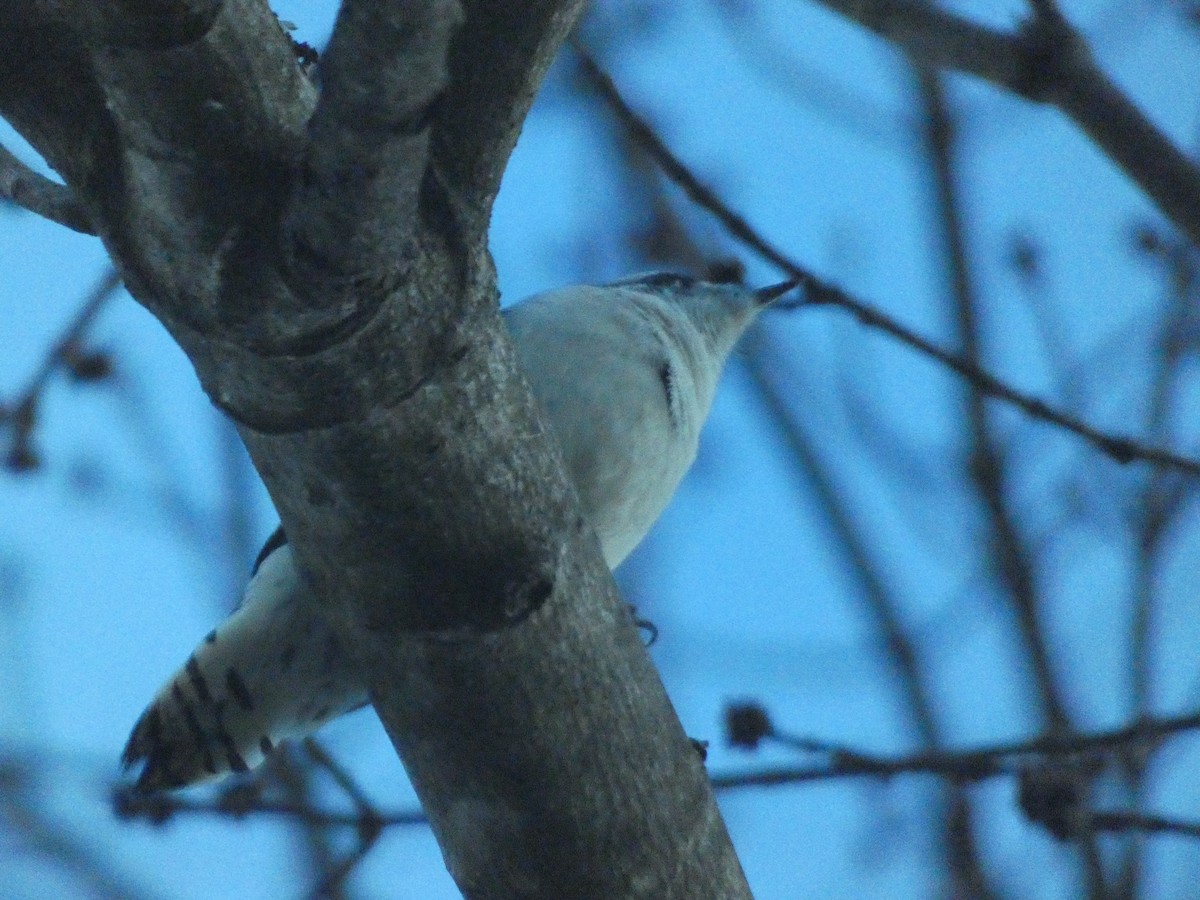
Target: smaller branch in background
point(817, 292)
point(748, 724)
point(1053, 796)
point(157, 809)
point(1151, 824)
point(1052, 771)
point(1046, 61)
point(38, 194)
point(1122, 449)
point(237, 799)
point(367, 828)
point(20, 416)
point(30, 831)
point(290, 776)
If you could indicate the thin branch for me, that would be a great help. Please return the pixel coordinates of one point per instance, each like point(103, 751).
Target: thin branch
point(1046, 60)
point(21, 414)
point(1118, 448)
point(158, 808)
point(880, 605)
point(35, 192)
point(961, 765)
point(368, 828)
point(1011, 558)
point(238, 800)
point(341, 777)
point(820, 293)
point(1013, 562)
point(69, 340)
point(1143, 822)
point(60, 844)
point(370, 821)
point(1158, 502)
point(1160, 498)
point(295, 780)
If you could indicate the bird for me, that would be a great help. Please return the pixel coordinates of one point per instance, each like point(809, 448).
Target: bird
point(626, 373)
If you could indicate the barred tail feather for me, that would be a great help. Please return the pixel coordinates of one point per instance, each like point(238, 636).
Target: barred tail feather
point(273, 670)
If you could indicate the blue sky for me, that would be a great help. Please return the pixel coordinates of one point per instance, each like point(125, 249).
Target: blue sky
point(133, 538)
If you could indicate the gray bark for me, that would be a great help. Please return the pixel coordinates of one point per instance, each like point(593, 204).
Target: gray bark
point(323, 263)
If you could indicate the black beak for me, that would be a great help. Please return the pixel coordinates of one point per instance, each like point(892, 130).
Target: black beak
point(767, 295)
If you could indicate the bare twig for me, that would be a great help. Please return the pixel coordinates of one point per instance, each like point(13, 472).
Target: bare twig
point(239, 800)
point(72, 334)
point(21, 414)
point(1055, 797)
point(1046, 61)
point(290, 779)
point(36, 832)
point(961, 765)
point(880, 604)
point(820, 293)
point(1012, 560)
point(965, 766)
point(158, 808)
point(320, 756)
point(38, 194)
point(1159, 500)
point(1143, 822)
point(369, 826)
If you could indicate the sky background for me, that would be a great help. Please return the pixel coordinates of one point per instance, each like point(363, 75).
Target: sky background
point(135, 534)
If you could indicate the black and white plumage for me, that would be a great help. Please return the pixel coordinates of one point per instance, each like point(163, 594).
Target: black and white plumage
point(271, 671)
point(626, 373)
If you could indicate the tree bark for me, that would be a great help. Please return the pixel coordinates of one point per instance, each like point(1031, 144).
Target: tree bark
point(323, 262)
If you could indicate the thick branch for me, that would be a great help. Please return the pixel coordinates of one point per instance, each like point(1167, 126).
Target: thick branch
point(497, 65)
point(1046, 61)
point(48, 94)
point(353, 210)
point(38, 194)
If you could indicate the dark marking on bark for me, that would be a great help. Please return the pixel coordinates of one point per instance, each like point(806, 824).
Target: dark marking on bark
point(541, 590)
point(422, 119)
point(287, 657)
point(265, 745)
point(320, 714)
point(211, 637)
point(330, 653)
